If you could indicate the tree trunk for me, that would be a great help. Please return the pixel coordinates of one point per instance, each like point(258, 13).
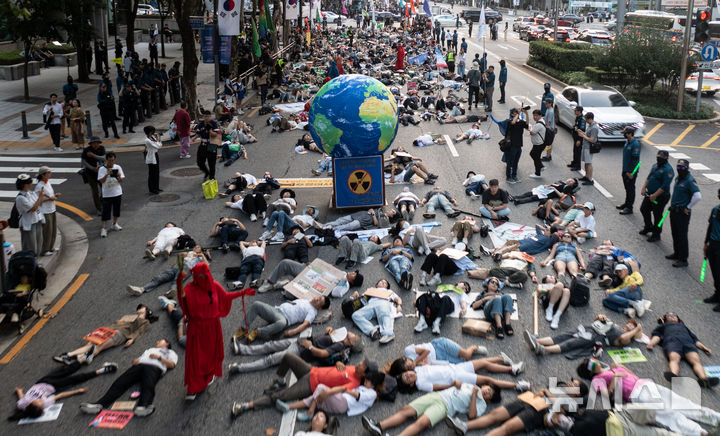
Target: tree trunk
point(162, 32)
point(183, 10)
point(130, 14)
point(26, 87)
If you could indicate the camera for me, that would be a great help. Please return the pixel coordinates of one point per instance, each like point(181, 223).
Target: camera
point(115, 173)
point(525, 108)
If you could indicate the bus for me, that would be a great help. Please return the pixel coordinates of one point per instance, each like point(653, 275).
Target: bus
point(670, 24)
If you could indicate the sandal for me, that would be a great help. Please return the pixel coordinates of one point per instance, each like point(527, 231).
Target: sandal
point(509, 330)
point(499, 333)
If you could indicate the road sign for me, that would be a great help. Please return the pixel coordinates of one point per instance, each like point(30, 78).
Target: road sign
point(709, 52)
point(359, 181)
point(706, 66)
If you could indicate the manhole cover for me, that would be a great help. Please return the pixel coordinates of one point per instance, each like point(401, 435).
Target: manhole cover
point(31, 126)
point(32, 100)
point(164, 198)
point(187, 172)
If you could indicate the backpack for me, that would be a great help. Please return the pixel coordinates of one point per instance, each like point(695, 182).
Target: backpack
point(185, 241)
point(579, 291)
point(566, 201)
point(14, 220)
point(350, 306)
point(341, 356)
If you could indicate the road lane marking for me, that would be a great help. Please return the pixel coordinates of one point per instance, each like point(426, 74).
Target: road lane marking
point(652, 132)
point(679, 156)
point(253, 112)
point(74, 210)
point(451, 146)
point(25, 339)
point(38, 159)
point(599, 187)
point(12, 180)
point(681, 136)
point(711, 140)
point(698, 167)
point(665, 147)
point(713, 177)
point(35, 169)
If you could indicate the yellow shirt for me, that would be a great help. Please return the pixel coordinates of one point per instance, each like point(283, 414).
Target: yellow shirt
point(631, 279)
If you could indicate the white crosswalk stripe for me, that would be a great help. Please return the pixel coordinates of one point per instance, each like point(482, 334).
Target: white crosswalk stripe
point(11, 166)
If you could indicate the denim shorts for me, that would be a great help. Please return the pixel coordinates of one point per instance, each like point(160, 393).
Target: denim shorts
point(565, 257)
point(446, 350)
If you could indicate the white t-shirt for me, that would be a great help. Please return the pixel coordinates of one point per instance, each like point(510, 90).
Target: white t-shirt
point(539, 130)
point(458, 299)
point(111, 187)
point(586, 222)
point(429, 375)
point(424, 140)
point(237, 205)
point(254, 250)
point(168, 354)
point(298, 311)
point(151, 148)
point(458, 400)
point(169, 233)
point(306, 220)
point(364, 402)
point(411, 354)
point(474, 179)
point(251, 180)
point(48, 206)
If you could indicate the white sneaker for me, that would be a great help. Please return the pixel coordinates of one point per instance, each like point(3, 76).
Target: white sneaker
point(535, 176)
point(253, 217)
point(135, 290)
point(103, 233)
point(581, 239)
point(517, 368)
point(279, 237)
point(523, 386)
point(421, 250)
point(474, 196)
point(149, 254)
point(58, 149)
point(454, 241)
point(436, 326)
point(506, 359)
point(265, 221)
point(116, 227)
point(436, 280)
point(387, 339)
point(555, 322)
point(639, 307)
point(465, 241)
point(266, 234)
point(629, 312)
point(549, 313)
point(421, 324)
point(481, 350)
point(267, 286)
point(15, 318)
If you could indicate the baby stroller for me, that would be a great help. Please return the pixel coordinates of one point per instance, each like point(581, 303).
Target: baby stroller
point(23, 280)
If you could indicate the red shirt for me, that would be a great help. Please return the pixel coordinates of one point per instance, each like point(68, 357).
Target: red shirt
point(331, 377)
point(182, 121)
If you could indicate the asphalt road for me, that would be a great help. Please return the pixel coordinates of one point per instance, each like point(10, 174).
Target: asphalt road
point(116, 261)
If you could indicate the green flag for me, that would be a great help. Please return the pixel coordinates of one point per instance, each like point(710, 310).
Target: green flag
point(255, 40)
point(317, 15)
point(268, 18)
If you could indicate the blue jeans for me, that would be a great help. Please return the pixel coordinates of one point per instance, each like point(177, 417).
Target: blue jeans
point(447, 350)
point(486, 213)
point(325, 165)
point(476, 187)
point(439, 200)
point(164, 277)
point(276, 322)
point(498, 306)
point(398, 264)
point(512, 159)
point(232, 234)
point(621, 299)
point(380, 309)
point(252, 264)
point(228, 155)
point(284, 222)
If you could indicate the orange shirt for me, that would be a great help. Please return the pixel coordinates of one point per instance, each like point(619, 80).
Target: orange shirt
point(331, 377)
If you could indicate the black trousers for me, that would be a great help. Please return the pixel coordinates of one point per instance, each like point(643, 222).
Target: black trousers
point(297, 251)
point(145, 375)
point(432, 305)
point(536, 154)
point(652, 213)
point(129, 117)
point(109, 122)
point(65, 376)
point(629, 184)
point(577, 150)
point(442, 265)
point(254, 204)
point(55, 134)
point(713, 257)
point(473, 90)
point(203, 156)
point(154, 176)
point(679, 223)
point(502, 92)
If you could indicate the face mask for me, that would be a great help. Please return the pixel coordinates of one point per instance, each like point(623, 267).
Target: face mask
point(661, 161)
point(682, 173)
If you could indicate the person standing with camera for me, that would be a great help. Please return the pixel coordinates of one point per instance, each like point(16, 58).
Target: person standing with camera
point(54, 112)
point(209, 133)
point(152, 159)
point(514, 134)
point(111, 177)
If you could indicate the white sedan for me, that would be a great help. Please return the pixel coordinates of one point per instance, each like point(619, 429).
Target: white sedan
point(612, 111)
point(710, 84)
point(332, 17)
point(448, 20)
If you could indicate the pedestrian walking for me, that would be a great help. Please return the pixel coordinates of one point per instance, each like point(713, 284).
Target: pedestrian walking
point(514, 134)
point(209, 133)
point(577, 140)
point(686, 194)
point(631, 159)
point(152, 159)
point(455, 40)
point(489, 80)
point(711, 250)
point(656, 194)
point(28, 204)
point(505, 31)
point(470, 27)
point(442, 37)
point(589, 137)
point(502, 80)
point(47, 209)
point(182, 125)
point(461, 63)
point(203, 301)
point(111, 177)
point(53, 111)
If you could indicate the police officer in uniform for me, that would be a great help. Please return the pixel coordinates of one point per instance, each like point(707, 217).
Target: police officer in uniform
point(631, 157)
point(656, 191)
point(547, 95)
point(712, 253)
point(577, 140)
point(685, 195)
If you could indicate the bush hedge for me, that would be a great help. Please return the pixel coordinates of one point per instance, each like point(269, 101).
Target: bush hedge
point(569, 77)
point(563, 56)
point(11, 58)
point(663, 106)
point(62, 49)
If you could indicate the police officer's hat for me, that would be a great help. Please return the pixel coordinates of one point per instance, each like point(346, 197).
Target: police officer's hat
point(630, 130)
point(663, 154)
point(683, 163)
point(546, 86)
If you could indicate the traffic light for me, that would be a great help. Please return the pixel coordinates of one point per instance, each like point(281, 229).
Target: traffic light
point(702, 18)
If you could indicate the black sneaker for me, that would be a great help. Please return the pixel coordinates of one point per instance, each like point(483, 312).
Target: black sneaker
point(671, 256)
point(375, 334)
point(90, 355)
point(583, 178)
point(403, 280)
point(620, 207)
point(350, 264)
point(409, 282)
point(546, 158)
point(708, 382)
point(108, 368)
point(65, 359)
point(588, 182)
point(644, 231)
point(714, 298)
point(339, 260)
point(372, 426)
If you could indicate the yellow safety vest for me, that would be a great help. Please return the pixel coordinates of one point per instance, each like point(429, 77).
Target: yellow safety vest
point(451, 57)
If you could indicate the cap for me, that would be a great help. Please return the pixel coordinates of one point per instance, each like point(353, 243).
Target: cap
point(683, 162)
point(663, 154)
point(629, 129)
point(589, 205)
point(621, 267)
point(94, 139)
point(546, 85)
point(43, 170)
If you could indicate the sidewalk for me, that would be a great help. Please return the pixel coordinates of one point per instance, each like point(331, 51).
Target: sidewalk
point(52, 79)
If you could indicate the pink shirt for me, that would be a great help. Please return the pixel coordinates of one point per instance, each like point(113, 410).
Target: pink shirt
point(605, 378)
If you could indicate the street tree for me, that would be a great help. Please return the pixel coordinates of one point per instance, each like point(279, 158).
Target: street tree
point(131, 8)
point(183, 10)
point(80, 31)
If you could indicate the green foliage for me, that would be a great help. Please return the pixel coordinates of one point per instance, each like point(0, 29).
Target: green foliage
point(62, 49)
point(653, 104)
point(563, 56)
point(569, 77)
point(613, 78)
point(11, 58)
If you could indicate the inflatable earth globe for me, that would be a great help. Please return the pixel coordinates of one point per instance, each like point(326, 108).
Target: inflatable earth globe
point(353, 115)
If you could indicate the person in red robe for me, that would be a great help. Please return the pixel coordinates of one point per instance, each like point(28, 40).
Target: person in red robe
point(203, 301)
point(340, 65)
point(400, 60)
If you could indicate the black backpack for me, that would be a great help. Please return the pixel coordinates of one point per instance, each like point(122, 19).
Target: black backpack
point(14, 220)
point(579, 291)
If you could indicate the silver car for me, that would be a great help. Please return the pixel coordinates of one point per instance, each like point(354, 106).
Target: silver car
point(612, 111)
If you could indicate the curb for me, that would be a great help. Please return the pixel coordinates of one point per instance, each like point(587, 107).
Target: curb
point(715, 119)
point(544, 74)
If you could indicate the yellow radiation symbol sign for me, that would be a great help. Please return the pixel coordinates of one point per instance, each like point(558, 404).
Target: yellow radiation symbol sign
point(359, 182)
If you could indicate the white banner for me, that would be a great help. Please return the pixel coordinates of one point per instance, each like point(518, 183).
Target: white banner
point(292, 9)
point(229, 17)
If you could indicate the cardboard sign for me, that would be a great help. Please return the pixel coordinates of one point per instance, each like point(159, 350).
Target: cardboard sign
point(527, 258)
point(129, 318)
point(477, 327)
point(123, 405)
point(402, 154)
point(112, 419)
point(712, 371)
point(453, 253)
point(627, 355)
point(100, 335)
point(49, 414)
point(378, 293)
point(318, 278)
